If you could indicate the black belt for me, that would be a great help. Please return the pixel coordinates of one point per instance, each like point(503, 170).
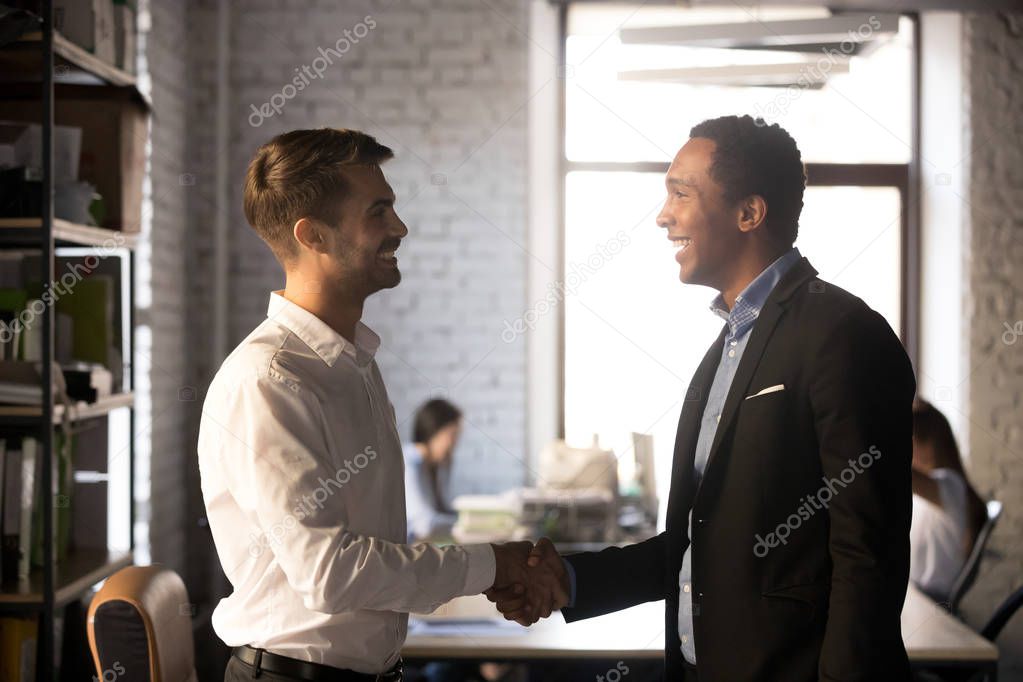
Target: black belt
point(263, 660)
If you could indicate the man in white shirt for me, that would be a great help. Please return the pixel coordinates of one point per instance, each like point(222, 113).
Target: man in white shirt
point(299, 454)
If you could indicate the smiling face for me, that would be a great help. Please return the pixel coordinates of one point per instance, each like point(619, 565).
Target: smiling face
point(362, 247)
point(702, 227)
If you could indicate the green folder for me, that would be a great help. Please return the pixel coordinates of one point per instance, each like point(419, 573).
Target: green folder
point(91, 307)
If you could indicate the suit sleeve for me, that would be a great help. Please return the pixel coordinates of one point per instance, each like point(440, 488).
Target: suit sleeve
point(617, 578)
point(861, 393)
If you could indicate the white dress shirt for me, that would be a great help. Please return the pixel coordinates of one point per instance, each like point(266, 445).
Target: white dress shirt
point(302, 474)
point(937, 537)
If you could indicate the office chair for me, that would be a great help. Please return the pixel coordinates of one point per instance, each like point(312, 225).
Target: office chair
point(969, 571)
point(140, 625)
point(1002, 615)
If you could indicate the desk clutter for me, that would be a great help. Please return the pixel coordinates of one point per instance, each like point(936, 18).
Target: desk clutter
point(579, 498)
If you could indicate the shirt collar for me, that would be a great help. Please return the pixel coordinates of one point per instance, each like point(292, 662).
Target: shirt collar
point(318, 335)
point(750, 301)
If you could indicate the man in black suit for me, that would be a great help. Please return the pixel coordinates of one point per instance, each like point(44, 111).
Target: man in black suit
point(786, 554)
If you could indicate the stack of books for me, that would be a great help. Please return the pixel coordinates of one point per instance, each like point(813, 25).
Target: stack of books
point(21, 504)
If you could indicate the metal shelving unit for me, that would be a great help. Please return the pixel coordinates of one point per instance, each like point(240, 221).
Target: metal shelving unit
point(40, 59)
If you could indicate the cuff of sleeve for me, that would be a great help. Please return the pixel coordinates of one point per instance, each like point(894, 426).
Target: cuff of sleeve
point(482, 568)
point(571, 582)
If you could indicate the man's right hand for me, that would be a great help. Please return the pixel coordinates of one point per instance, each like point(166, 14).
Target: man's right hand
point(531, 581)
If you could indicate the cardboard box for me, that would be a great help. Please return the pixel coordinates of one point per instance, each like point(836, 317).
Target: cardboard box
point(21, 144)
point(124, 35)
point(89, 24)
point(114, 124)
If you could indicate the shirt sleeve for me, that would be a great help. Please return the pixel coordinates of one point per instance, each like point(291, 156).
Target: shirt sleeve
point(952, 493)
point(274, 455)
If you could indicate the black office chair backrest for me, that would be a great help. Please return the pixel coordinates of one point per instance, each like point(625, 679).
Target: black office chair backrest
point(969, 571)
point(1002, 615)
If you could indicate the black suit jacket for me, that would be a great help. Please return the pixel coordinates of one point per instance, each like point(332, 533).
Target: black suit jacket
point(800, 547)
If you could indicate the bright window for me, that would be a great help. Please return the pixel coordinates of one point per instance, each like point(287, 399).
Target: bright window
point(633, 334)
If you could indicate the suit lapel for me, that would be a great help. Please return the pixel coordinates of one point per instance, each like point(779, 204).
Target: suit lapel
point(764, 327)
point(689, 426)
point(762, 330)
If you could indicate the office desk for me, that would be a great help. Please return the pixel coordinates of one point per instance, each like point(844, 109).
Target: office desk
point(936, 639)
point(461, 630)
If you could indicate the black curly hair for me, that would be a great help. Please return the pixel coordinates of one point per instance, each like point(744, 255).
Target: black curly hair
point(754, 157)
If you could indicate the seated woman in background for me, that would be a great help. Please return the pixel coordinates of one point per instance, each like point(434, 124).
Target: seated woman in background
point(438, 424)
point(947, 512)
point(435, 433)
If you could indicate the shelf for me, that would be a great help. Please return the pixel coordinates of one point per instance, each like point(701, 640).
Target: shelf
point(83, 410)
point(81, 90)
point(79, 571)
point(73, 56)
point(29, 415)
point(22, 232)
point(72, 64)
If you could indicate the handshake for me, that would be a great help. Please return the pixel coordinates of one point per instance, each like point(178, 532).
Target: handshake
point(531, 581)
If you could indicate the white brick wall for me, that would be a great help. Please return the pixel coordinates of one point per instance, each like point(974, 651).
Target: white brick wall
point(444, 85)
point(163, 305)
point(994, 64)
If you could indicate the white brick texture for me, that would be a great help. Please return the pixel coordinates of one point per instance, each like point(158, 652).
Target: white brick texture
point(994, 78)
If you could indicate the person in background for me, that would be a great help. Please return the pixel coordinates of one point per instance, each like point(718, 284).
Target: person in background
point(435, 433)
point(947, 512)
point(438, 424)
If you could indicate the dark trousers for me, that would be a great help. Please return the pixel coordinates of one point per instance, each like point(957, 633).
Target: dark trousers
point(238, 670)
point(690, 672)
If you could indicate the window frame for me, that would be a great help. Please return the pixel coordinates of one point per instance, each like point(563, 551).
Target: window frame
point(904, 177)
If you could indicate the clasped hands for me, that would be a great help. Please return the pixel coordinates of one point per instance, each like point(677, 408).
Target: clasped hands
point(531, 581)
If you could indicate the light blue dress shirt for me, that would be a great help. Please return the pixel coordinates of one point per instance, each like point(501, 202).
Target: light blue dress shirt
point(423, 519)
point(740, 321)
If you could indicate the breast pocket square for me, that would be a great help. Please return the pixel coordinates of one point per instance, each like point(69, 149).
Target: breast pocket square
point(766, 391)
